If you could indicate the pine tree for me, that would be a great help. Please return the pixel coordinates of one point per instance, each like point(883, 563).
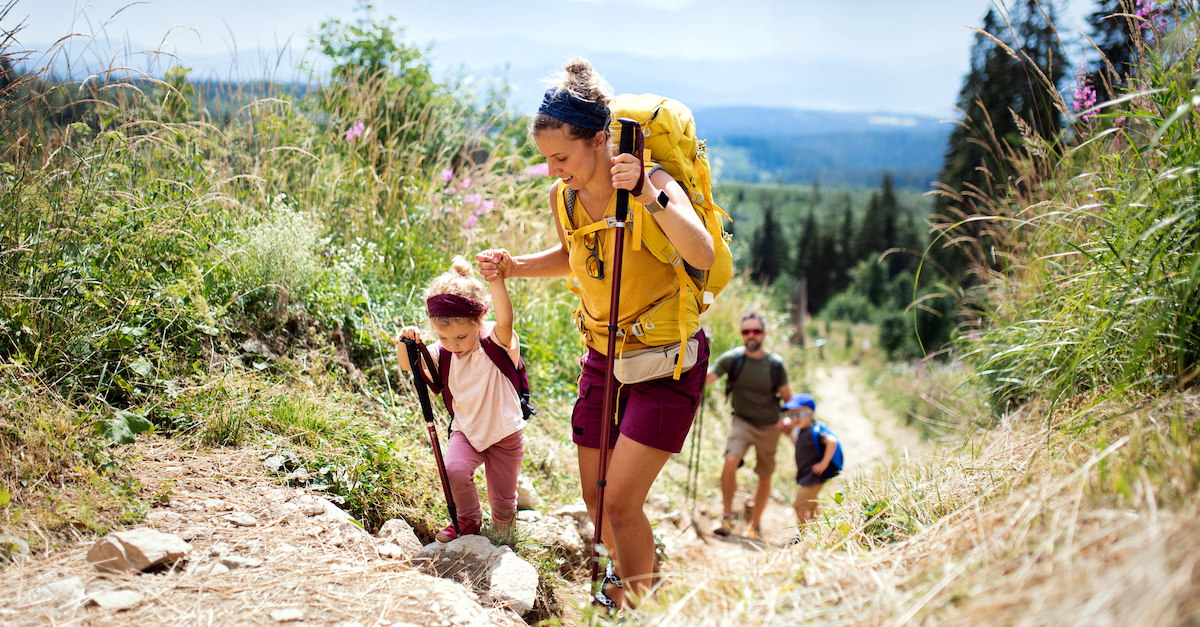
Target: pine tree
point(805, 246)
point(997, 91)
point(768, 249)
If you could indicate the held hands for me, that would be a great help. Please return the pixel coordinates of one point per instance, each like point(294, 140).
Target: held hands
point(626, 172)
point(494, 264)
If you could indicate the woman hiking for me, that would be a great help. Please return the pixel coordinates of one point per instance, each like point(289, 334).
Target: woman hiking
point(654, 416)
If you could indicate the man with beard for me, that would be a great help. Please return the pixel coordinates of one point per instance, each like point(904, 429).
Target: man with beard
point(757, 384)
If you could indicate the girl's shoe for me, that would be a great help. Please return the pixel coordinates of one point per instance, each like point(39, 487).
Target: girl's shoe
point(466, 528)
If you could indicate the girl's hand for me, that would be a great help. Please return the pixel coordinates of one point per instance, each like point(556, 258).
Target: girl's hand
point(784, 424)
point(409, 333)
point(494, 264)
point(820, 467)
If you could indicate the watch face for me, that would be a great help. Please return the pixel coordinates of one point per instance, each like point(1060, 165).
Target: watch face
point(663, 199)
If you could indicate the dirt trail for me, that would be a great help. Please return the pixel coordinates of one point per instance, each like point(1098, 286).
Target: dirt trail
point(869, 432)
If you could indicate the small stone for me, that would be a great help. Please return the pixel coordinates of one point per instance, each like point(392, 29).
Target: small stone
point(116, 599)
point(165, 517)
point(241, 519)
point(235, 562)
point(288, 615)
point(207, 568)
point(217, 505)
point(62, 592)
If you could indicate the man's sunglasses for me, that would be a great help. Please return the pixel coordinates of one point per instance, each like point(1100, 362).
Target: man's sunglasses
point(752, 331)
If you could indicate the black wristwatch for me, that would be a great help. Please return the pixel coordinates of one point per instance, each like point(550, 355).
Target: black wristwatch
point(660, 202)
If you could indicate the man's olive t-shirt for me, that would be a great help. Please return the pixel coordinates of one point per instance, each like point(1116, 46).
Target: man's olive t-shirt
point(753, 396)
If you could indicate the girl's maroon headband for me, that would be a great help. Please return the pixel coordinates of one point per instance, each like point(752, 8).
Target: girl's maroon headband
point(454, 306)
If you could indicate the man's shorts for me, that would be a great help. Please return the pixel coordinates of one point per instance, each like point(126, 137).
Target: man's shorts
point(657, 413)
point(743, 435)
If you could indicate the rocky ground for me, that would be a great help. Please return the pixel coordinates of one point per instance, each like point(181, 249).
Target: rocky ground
point(261, 554)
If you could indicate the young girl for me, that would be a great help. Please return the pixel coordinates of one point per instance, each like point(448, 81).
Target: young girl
point(487, 412)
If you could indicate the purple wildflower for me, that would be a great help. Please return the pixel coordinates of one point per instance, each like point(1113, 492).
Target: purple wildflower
point(487, 205)
point(537, 169)
point(466, 182)
point(355, 131)
point(473, 199)
point(1085, 97)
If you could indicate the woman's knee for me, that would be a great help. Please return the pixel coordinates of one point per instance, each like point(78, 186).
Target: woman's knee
point(460, 470)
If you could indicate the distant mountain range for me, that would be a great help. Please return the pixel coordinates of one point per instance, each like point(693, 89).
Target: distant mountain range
point(839, 149)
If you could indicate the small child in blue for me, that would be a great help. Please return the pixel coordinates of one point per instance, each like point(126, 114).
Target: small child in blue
point(818, 453)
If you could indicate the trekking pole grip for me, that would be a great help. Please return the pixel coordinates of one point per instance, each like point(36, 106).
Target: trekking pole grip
point(630, 130)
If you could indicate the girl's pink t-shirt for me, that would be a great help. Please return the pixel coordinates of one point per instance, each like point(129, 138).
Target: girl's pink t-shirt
point(486, 406)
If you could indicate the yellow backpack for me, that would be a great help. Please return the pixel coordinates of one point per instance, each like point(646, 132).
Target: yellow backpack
point(670, 132)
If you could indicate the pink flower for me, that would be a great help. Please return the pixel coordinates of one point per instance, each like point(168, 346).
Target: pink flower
point(1085, 97)
point(466, 182)
point(473, 199)
point(537, 169)
point(487, 205)
point(472, 220)
point(355, 131)
point(447, 175)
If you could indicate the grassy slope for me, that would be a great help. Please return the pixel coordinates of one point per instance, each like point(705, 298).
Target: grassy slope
point(139, 279)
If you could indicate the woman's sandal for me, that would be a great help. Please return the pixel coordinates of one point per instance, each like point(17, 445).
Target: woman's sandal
point(603, 600)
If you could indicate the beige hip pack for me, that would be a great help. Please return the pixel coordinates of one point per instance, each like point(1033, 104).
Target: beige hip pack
point(654, 362)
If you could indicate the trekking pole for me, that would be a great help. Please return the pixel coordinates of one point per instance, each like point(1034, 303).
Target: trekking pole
point(414, 360)
point(629, 129)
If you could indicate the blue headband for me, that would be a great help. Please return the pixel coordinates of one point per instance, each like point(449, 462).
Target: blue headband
point(572, 109)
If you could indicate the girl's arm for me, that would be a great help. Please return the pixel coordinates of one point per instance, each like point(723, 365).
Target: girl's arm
point(501, 302)
point(551, 262)
point(678, 220)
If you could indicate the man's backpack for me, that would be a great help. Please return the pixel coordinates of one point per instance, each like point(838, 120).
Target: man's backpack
point(516, 375)
point(739, 361)
point(835, 464)
point(670, 141)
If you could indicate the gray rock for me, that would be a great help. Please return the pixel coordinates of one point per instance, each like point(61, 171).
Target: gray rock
point(217, 505)
point(116, 599)
point(496, 573)
point(398, 533)
point(241, 519)
point(287, 615)
point(552, 531)
point(13, 544)
point(421, 600)
point(62, 593)
point(527, 497)
point(202, 569)
point(137, 549)
point(165, 518)
point(234, 562)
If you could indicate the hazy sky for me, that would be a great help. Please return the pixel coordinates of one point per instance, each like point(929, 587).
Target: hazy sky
point(866, 55)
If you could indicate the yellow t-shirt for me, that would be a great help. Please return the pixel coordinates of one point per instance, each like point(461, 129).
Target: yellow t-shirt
point(644, 279)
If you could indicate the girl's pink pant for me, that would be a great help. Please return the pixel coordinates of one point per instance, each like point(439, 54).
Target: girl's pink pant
point(501, 465)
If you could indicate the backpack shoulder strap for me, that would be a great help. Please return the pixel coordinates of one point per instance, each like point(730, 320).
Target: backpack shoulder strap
point(735, 369)
point(444, 369)
point(500, 357)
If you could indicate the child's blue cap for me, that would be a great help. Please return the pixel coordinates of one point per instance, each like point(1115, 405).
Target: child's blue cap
point(800, 400)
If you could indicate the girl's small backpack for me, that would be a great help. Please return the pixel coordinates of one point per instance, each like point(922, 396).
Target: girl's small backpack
point(835, 464)
point(515, 374)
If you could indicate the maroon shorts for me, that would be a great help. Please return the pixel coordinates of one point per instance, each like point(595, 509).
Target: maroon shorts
point(657, 413)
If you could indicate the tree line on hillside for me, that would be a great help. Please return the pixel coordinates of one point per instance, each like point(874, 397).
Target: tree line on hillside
point(855, 265)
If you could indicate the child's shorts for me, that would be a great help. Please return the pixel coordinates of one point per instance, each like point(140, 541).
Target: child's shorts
point(657, 413)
